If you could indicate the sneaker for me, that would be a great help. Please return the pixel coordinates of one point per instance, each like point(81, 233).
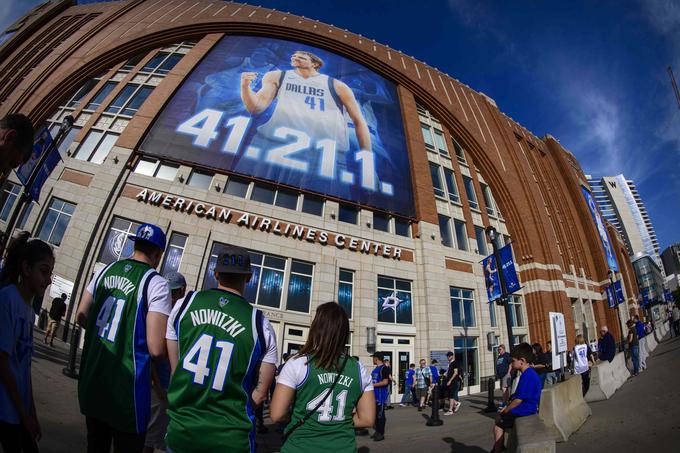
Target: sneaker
point(378, 437)
point(448, 413)
point(457, 408)
point(420, 408)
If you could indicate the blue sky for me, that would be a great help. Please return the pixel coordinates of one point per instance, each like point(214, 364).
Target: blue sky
point(592, 74)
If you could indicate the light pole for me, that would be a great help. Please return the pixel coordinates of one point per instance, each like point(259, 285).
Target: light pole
point(611, 275)
point(491, 233)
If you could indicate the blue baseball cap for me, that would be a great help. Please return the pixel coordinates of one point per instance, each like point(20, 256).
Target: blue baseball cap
point(150, 233)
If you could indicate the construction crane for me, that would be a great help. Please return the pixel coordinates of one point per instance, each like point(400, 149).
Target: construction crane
point(675, 86)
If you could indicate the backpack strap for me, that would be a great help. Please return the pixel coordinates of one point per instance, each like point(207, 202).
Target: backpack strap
point(323, 400)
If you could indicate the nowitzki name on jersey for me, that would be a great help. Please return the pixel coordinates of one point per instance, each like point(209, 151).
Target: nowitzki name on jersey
point(217, 319)
point(120, 283)
point(329, 378)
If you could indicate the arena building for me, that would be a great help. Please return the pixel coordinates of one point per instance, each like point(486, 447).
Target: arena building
point(352, 172)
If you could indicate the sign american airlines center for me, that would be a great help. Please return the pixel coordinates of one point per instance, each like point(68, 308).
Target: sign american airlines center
point(293, 114)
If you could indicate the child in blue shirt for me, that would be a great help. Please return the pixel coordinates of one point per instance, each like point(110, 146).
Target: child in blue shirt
point(524, 401)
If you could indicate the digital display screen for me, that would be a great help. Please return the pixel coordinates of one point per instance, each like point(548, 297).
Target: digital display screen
point(292, 114)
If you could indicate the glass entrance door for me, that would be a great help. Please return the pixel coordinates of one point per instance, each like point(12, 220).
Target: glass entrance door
point(400, 354)
point(294, 338)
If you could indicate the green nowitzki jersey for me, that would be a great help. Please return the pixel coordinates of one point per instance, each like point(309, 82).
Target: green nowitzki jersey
point(331, 426)
point(115, 381)
point(220, 344)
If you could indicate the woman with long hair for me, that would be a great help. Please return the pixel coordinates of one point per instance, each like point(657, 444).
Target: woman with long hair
point(324, 385)
point(583, 361)
point(26, 275)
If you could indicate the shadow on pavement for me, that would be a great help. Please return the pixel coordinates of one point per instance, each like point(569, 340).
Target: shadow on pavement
point(666, 352)
point(51, 354)
point(457, 447)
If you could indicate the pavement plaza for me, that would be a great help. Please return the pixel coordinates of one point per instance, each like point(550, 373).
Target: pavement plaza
point(643, 414)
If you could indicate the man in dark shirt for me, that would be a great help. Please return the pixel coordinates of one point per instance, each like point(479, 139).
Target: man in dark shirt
point(453, 382)
point(606, 347)
point(57, 311)
point(503, 372)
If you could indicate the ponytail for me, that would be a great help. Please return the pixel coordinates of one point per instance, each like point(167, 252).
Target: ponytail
point(23, 249)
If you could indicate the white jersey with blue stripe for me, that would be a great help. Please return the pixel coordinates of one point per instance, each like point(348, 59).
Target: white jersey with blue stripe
point(310, 105)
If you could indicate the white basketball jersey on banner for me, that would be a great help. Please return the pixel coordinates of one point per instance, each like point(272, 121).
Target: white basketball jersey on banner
point(310, 106)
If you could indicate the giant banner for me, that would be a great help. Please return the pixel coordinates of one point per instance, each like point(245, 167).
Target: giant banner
point(293, 114)
point(604, 237)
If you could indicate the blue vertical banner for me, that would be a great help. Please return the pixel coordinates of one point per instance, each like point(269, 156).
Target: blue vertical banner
point(493, 283)
point(618, 291)
point(645, 297)
point(668, 296)
point(41, 146)
point(508, 269)
point(611, 297)
point(604, 237)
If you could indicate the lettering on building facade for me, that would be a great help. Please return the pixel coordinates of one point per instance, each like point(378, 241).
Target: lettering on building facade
point(267, 224)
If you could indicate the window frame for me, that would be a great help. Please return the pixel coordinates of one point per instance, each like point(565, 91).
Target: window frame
point(347, 209)
point(461, 301)
point(7, 195)
point(172, 245)
point(394, 288)
point(349, 283)
point(60, 211)
point(195, 171)
point(95, 150)
point(473, 202)
point(106, 88)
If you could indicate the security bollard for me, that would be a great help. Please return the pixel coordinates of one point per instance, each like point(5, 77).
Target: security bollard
point(434, 420)
point(490, 405)
point(70, 369)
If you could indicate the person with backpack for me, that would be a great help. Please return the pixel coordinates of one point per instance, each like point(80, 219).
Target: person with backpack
point(423, 381)
point(324, 386)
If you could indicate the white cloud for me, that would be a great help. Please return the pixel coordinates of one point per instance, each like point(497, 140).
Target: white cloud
point(663, 15)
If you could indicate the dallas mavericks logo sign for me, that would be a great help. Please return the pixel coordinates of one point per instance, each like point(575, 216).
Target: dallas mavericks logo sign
point(146, 233)
point(127, 268)
point(223, 301)
point(116, 245)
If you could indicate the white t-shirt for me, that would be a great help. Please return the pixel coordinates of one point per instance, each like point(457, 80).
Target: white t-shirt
point(580, 358)
point(159, 297)
point(294, 374)
point(270, 351)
